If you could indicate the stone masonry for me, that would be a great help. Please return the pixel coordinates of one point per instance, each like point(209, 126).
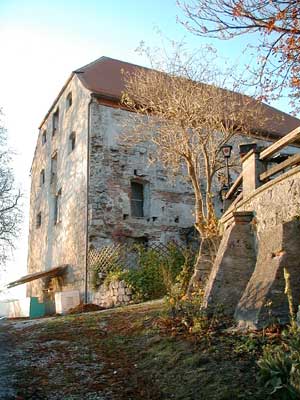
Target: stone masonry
point(115, 294)
point(88, 190)
point(233, 266)
point(275, 232)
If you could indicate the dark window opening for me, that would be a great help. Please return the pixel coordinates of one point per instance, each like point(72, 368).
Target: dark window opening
point(57, 208)
point(69, 100)
point(142, 241)
point(72, 141)
point(125, 216)
point(135, 172)
point(38, 220)
point(137, 199)
point(154, 219)
point(44, 137)
point(55, 122)
point(53, 167)
point(176, 220)
point(42, 177)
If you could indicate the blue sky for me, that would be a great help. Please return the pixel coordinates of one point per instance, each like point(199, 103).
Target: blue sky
point(42, 41)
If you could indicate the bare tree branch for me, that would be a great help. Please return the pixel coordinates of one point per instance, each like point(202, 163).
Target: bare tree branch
point(10, 197)
point(187, 121)
point(277, 23)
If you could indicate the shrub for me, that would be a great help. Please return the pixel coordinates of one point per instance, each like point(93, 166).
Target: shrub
point(279, 367)
point(155, 273)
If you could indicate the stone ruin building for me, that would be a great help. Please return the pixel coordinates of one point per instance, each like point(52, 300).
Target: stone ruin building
point(88, 191)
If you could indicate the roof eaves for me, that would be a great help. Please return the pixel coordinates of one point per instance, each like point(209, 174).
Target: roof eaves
point(106, 96)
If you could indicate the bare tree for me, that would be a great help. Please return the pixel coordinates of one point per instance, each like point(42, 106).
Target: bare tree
point(278, 26)
point(188, 121)
point(10, 213)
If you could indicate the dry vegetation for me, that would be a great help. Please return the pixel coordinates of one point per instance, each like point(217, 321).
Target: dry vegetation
point(127, 353)
point(187, 109)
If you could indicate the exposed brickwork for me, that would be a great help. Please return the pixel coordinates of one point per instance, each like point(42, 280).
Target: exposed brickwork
point(113, 167)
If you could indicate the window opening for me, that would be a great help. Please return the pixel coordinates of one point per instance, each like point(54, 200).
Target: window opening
point(69, 100)
point(57, 207)
point(137, 199)
point(44, 137)
point(42, 177)
point(53, 167)
point(38, 220)
point(55, 122)
point(72, 141)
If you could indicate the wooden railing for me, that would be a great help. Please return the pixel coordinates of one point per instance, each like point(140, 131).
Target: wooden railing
point(280, 144)
point(233, 189)
point(255, 171)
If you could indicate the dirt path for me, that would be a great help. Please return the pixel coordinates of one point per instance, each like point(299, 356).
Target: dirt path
point(7, 390)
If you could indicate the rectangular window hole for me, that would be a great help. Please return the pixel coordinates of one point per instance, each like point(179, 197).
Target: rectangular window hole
point(38, 220)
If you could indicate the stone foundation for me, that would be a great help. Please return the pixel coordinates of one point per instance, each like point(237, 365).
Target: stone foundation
point(117, 293)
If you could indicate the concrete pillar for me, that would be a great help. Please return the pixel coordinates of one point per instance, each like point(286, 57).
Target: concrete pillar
point(233, 266)
point(264, 300)
point(252, 167)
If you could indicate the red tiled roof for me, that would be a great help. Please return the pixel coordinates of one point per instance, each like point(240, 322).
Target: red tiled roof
point(104, 77)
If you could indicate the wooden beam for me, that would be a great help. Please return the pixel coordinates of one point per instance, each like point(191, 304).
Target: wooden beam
point(280, 144)
point(37, 275)
point(293, 160)
point(234, 187)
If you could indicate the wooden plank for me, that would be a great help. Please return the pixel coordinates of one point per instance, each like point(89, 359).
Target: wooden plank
point(280, 144)
point(293, 160)
point(235, 186)
point(37, 275)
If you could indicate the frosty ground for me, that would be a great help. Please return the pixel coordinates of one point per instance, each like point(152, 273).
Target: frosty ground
point(123, 354)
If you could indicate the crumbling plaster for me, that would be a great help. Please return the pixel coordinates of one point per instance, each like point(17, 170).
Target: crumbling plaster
point(169, 203)
point(53, 244)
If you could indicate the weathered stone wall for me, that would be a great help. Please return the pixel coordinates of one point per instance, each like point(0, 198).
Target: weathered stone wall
point(264, 300)
point(276, 210)
point(275, 202)
point(233, 266)
point(53, 244)
point(168, 203)
point(112, 168)
point(115, 294)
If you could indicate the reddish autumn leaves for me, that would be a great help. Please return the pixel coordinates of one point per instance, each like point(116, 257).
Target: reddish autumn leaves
point(276, 22)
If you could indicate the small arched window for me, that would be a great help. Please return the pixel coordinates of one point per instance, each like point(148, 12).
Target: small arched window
point(69, 100)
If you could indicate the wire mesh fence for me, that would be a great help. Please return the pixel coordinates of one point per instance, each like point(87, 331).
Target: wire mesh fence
point(123, 255)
